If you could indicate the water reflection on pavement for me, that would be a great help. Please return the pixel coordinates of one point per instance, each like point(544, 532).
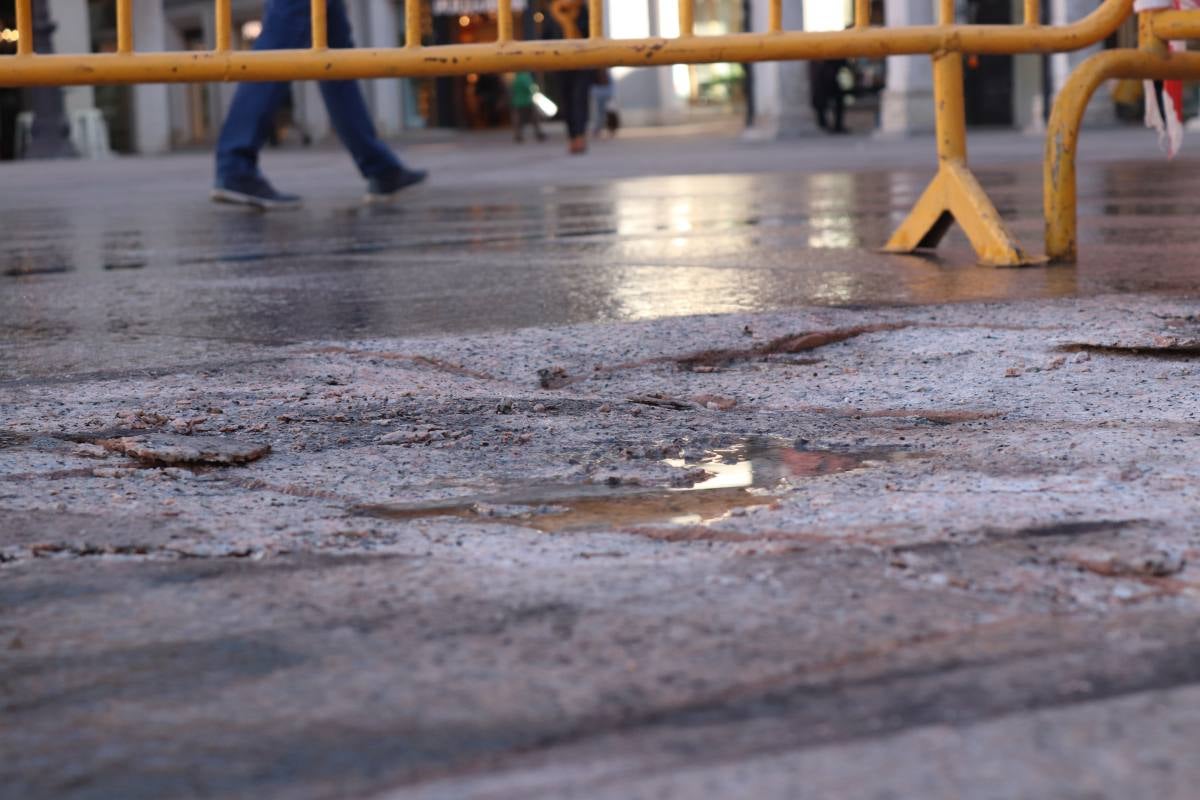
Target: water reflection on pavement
point(98, 281)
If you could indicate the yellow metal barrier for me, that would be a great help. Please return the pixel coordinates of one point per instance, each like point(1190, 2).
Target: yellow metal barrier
point(1151, 61)
point(417, 60)
point(953, 195)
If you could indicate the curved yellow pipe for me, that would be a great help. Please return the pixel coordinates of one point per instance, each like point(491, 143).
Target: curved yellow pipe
point(1062, 134)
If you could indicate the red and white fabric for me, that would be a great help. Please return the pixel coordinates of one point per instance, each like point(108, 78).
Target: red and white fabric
point(1164, 113)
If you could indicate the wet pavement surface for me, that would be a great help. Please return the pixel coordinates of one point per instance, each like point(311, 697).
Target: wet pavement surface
point(586, 482)
point(161, 271)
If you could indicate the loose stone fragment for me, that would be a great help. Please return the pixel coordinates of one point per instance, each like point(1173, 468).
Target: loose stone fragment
point(88, 450)
point(1150, 561)
point(165, 448)
point(553, 377)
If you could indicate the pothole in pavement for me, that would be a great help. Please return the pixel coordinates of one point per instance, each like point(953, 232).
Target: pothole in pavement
point(748, 474)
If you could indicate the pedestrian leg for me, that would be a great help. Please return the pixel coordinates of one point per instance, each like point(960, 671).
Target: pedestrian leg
point(576, 88)
point(347, 109)
point(839, 111)
point(251, 116)
point(599, 107)
point(538, 133)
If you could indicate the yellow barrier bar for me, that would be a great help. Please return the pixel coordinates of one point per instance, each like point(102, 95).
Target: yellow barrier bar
point(596, 19)
point(1175, 25)
point(504, 22)
point(125, 26)
point(775, 16)
point(24, 28)
point(946, 12)
point(463, 59)
point(1062, 131)
point(412, 23)
point(320, 25)
point(687, 18)
point(1033, 12)
point(862, 13)
point(224, 24)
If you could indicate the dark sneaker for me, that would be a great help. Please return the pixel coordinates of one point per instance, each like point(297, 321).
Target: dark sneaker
point(384, 188)
point(255, 192)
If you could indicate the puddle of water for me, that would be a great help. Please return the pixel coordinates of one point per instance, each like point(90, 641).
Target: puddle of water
point(765, 463)
point(742, 476)
point(599, 509)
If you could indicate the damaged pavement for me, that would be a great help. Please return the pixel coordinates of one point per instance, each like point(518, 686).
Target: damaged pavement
point(403, 567)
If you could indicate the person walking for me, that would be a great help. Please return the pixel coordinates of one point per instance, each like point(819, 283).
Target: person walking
point(572, 19)
point(287, 25)
point(523, 112)
point(602, 94)
point(827, 94)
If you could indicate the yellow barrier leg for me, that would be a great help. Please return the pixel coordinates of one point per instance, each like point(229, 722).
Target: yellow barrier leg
point(1152, 60)
point(955, 195)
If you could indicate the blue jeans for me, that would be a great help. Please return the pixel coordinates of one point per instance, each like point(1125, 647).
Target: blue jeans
point(287, 26)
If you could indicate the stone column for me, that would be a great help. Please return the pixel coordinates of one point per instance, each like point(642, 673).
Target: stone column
point(1100, 110)
point(73, 35)
point(782, 105)
point(387, 94)
point(637, 92)
point(907, 103)
point(151, 109)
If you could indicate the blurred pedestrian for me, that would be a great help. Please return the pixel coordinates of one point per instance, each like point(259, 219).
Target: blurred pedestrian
point(602, 94)
point(523, 112)
point(10, 104)
point(827, 94)
point(571, 17)
point(287, 25)
point(489, 99)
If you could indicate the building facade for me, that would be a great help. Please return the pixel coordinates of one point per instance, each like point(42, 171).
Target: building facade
point(1002, 91)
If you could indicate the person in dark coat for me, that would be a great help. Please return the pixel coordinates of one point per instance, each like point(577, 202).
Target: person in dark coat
point(827, 94)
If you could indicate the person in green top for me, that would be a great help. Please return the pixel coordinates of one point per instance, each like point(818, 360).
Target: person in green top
point(523, 112)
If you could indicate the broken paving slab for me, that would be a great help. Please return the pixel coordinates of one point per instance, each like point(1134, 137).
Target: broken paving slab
point(167, 448)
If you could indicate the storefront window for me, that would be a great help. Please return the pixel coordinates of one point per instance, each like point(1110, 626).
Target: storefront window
point(706, 84)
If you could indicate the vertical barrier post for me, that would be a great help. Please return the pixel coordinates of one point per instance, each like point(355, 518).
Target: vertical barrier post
point(412, 23)
point(24, 28)
point(224, 24)
point(687, 18)
point(504, 22)
point(596, 19)
point(775, 16)
point(1033, 12)
point(862, 13)
point(124, 26)
point(950, 113)
point(320, 26)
